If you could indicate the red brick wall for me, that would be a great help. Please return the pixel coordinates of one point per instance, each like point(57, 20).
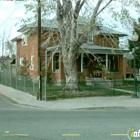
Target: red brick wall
point(32, 49)
point(26, 51)
point(107, 41)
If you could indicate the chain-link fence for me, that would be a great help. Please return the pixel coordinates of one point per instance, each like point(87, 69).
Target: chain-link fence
point(89, 88)
point(25, 84)
point(56, 89)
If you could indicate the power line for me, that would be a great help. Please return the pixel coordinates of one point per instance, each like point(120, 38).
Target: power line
point(9, 15)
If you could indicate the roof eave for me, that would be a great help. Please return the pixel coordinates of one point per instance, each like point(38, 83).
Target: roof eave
point(16, 39)
point(118, 35)
point(100, 49)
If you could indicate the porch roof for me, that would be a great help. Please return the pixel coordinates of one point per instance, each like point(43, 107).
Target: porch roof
point(93, 49)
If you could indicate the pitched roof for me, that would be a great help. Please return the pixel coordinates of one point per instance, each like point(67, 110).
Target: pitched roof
point(17, 38)
point(106, 30)
point(52, 23)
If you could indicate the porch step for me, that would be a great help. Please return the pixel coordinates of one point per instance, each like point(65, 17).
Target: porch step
point(99, 83)
point(102, 84)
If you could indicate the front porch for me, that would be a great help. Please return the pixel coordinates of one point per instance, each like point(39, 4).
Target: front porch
point(104, 83)
point(92, 62)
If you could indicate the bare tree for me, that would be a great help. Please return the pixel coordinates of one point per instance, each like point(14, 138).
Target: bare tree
point(67, 16)
point(7, 49)
point(67, 13)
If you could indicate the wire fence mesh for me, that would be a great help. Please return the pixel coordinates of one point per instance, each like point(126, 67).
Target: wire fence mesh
point(25, 84)
point(55, 89)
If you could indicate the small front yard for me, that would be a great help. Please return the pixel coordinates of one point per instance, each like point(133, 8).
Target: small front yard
point(26, 84)
point(86, 91)
point(129, 85)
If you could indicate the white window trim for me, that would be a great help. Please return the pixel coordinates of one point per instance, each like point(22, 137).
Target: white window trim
point(32, 59)
point(32, 63)
point(107, 61)
point(82, 62)
point(24, 40)
point(21, 61)
point(31, 67)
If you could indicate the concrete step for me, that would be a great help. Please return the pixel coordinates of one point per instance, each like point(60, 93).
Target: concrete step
point(99, 83)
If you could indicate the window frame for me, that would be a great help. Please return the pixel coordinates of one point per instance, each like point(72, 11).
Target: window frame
point(32, 63)
point(55, 65)
point(21, 61)
point(24, 40)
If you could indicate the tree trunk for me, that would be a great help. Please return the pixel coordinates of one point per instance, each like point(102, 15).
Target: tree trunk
point(70, 69)
point(67, 22)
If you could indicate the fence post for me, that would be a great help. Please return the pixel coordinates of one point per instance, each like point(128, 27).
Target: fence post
point(16, 82)
point(45, 88)
point(113, 84)
point(24, 83)
point(38, 88)
point(5, 76)
point(0, 77)
point(10, 73)
point(33, 81)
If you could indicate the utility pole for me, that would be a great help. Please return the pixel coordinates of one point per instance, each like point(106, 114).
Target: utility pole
point(39, 50)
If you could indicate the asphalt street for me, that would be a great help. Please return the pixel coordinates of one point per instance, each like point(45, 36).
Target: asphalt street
point(25, 123)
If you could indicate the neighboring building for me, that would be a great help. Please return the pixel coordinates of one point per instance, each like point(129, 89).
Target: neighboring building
point(7, 66)
point(102, 45)
point(5, 62)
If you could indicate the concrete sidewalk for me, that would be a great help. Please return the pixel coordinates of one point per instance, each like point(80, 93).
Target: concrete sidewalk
point(70, 104)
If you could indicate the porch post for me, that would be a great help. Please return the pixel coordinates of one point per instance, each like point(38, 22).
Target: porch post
point(107, 61)
point(81, 62)
point(46, 63)
point(52, 60)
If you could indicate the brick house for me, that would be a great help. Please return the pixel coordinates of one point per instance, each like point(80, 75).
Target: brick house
point(100, 45)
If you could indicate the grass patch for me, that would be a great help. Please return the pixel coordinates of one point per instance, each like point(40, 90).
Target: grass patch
point(53, 91)
point(92, 92)
point(128, 87)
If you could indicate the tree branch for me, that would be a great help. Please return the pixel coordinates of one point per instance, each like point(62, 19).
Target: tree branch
point(60, 16)
point(93, 18)
point(67, 7)
point(92, 21)
point(77, 4)
point(104, 7)
point(81, 5)
point(78, 7)
point(59, 10)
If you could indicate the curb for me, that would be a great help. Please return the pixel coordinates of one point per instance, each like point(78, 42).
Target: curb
point(18, 102)
point(69, 109)
point(10, 98)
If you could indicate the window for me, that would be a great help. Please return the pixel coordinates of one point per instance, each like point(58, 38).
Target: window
point(32, 63)
point(21, 61)
point(113, 62)
point(85, 61)
point(56, 62)
point(78, 62)
point(90, 38)
point(24, 40)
